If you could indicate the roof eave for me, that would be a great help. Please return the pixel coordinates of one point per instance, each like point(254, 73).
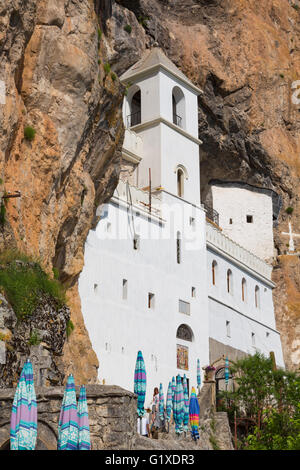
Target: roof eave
point(155, 68)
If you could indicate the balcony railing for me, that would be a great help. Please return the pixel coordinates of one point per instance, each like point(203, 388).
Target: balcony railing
point(134, 119)
point(177, 120)
point(211, 214)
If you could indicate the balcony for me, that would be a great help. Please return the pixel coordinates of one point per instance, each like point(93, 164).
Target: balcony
point(211, 214)
point(132, 146)
point(177, 120)
point(133, 119)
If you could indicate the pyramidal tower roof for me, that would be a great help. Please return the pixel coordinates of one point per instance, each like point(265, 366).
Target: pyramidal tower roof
point(153, 60)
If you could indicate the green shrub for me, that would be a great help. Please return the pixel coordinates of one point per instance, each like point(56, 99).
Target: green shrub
point(70, 328)
point(143, 20)
point(113, 76)
point(128, 28)
point(289, 210)
point(1, 181)
point(29, 133)
point(99, 34)
point(295, 6)
point(99, 61)
point(34, 339)
point(281, 75)
point(55, 273)
point(24, 282)
point(106, 68)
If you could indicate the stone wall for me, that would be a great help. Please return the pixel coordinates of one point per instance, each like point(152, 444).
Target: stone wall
point(112, 416)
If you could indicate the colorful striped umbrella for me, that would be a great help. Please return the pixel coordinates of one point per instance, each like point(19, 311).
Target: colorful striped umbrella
point(198, 375)
point(226, 371)
point(84, 440)
point(173, 394)
point(194, 412)
point(186, 405)
point(169, 403)
point(68, 419)
point(23, 423)
point(140, 383)
point(178, 411)
point(161, 403)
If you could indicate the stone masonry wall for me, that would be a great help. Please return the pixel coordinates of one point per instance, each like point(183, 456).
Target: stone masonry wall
point(112, 416)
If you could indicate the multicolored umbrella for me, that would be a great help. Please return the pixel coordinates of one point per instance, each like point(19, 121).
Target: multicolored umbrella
point(169, 403)
point(186, 405)
point(161, 403)
point(194, 412)
point(226, 371)
point(178, 411)
point(198, 375)
point(23, 422)
point(173, 394)
point(84, 440)
point(68, 419)
point(140, 383)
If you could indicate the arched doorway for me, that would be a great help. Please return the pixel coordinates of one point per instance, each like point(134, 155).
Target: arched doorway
point(221, 386)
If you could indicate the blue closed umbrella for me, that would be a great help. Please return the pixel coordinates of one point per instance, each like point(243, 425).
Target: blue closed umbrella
point(84, 440)
point(161, 403)
point(186, 405)
point(226, 372)
point(198, 375)
point(140, 382)
point(68, 419)
point(23, 423)
point(169, 403)
point(178, 411)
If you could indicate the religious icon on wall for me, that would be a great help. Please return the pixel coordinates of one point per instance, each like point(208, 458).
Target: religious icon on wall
point(182, 357)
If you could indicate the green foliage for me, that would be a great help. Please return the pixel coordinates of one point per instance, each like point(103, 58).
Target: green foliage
point(128, 28)
point(296, 7)
point(99, 61)
point(143, 20)
point(99, 34)
point(55, 273)
point(113, 76)
point(106, 67)
point(1, 181)
point(23, 281)
point(29, 133)
point(289, 210)
point(34, 339)
point(70, 328)
point(269, 400)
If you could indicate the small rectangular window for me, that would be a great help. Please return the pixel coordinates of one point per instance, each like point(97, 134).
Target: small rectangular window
point(124, 294)
point(184, 307)
point(136, 242)
point(230, 221)
point(228, 328)
point(192, 222)
point(193, 291)
point(249, 219)
point(151, 300)
point(267, 334)
point(96, 288)
point(253, 339)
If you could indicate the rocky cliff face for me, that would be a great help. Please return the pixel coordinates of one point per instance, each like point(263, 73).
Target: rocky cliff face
point(245, 56)
point(52, 67)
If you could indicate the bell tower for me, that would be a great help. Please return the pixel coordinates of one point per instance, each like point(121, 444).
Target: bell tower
point(161, 107)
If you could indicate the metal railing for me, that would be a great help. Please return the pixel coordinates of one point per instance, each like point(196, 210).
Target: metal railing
point(177, 120)
point(211, 214)
point(134, 119)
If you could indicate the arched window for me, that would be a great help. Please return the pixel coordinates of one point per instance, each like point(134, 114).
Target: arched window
point(178, 107)
point(184, 332)
point(257, 297)
point(178, 247)
point(214, 265)
point(180, 182)
point(244, 287)
point(134, 102)
point(229, 281)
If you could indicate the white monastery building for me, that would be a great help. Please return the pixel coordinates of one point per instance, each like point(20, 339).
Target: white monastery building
point(162, 275)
